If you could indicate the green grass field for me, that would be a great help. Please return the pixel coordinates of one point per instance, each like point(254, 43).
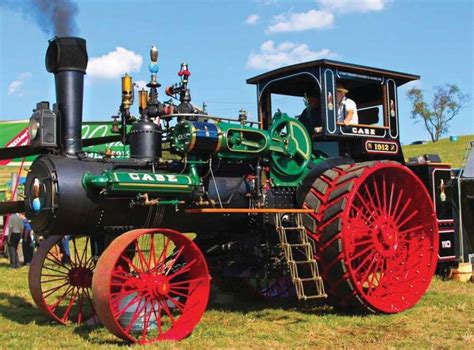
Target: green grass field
point(450, 152)
point(443, 319)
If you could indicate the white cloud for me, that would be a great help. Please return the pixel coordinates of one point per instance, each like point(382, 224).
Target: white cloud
point(347, 6)
point(297, 22)
point(24, 76)
point(140, 84)
point(16, 86)
point(114, 64)
point(252, 19)
point(411, 84)
point(271, 56)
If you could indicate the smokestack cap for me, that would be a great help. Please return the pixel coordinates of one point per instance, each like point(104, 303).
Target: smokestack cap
point(66, 54)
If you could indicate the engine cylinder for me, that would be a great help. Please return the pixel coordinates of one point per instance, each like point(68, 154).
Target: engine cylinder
point(197, 137)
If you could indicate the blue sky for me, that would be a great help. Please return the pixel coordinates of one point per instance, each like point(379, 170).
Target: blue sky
point(225, 42)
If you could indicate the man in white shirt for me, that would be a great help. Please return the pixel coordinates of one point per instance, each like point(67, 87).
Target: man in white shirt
point(346, 108)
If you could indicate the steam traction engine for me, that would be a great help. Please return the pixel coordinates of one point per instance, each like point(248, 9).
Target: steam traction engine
point(285, 211)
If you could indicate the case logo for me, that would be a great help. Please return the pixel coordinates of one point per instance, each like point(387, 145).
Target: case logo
point(363, 131)
point(153, 177)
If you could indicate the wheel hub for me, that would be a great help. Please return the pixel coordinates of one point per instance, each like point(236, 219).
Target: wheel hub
point(387, 236)
point(160, 286)
point(156, 286)
point(80, 277)
point(291, 147)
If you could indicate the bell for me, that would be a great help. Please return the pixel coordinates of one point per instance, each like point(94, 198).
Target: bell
point(115, 125)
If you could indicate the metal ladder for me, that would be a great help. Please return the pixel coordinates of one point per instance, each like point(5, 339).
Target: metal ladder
point(299, 256)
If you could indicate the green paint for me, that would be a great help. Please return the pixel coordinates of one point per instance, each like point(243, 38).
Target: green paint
point(120, 181)
point(291, 149)
point(286, 145)
point(243, 140)
point(10, 130)
point(101, 129)
point(170, 202)
point(183, 136)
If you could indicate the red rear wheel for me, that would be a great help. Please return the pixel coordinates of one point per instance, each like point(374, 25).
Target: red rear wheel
point(61, 285)
point(377, 236)
point(151, 285)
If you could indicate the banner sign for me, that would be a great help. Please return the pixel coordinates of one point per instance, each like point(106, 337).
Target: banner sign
point(15, 133)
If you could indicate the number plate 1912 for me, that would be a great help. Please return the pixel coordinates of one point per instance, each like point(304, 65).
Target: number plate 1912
point(381, 147)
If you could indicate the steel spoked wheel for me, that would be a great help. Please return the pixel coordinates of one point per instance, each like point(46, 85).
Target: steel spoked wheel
point(151, 285)
point(60, 283)
point(377, 236)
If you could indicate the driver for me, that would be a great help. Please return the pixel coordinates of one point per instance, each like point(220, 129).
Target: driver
point(311, 116)
point(346, 108)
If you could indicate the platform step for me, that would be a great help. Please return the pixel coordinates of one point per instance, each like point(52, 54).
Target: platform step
point(317, 278)
point(304, 269)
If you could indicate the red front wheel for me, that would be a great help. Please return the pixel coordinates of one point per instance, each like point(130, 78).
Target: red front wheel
point(151, 285)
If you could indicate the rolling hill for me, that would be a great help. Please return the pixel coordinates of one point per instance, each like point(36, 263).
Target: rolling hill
point(450, 152)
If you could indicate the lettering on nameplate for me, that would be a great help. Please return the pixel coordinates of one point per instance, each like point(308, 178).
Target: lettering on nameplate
point(363, 131)
point(384, 147)
point(153, 177)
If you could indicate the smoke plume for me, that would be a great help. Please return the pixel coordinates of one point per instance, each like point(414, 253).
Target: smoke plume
point(54, 17)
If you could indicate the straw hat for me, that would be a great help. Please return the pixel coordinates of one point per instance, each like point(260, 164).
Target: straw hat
point(341, 88)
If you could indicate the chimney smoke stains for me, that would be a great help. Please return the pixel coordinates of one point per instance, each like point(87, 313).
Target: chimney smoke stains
point(54, 17)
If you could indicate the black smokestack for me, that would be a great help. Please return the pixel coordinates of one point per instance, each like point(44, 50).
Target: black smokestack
point(67, 59)
point(54, 17)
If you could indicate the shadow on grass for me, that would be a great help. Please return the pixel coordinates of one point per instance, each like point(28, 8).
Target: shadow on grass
point(247, 305)
point(19, 310)
point(87, 333)
point(4, 264)
point(243, 302)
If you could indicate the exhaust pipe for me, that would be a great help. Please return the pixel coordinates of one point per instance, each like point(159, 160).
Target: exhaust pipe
point(66, 58)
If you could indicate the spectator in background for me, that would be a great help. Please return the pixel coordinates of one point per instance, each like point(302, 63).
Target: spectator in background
point(15, 227)
point(6, 253)
point(64, 249)
point(27, 241)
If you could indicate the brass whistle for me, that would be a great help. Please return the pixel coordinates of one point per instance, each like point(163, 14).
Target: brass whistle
point(143, 99)
point(127, 91)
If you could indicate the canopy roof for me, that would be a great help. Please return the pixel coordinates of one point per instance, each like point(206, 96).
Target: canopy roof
point(399, 77)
